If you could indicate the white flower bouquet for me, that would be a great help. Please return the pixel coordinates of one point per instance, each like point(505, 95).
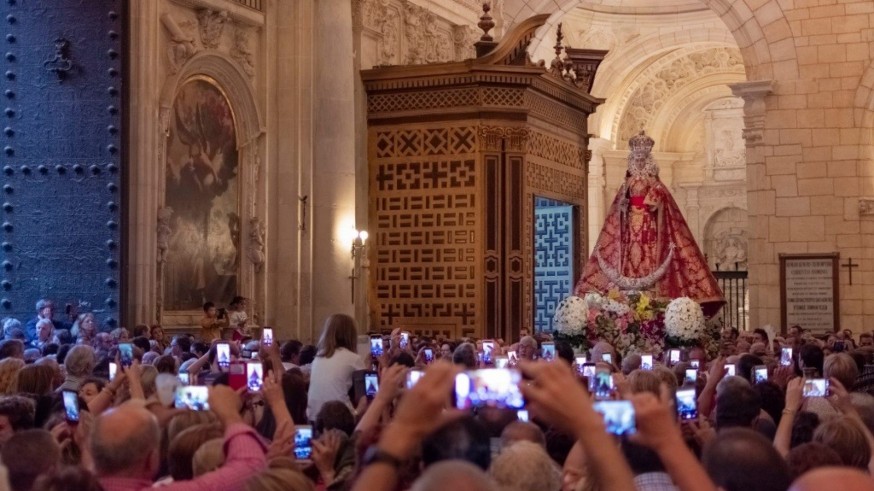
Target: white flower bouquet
point(570, 316)
point(684, 321)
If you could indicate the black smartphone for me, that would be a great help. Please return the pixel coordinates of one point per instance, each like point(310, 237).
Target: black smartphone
point(267, 336)
point(303, 446)
point(687, 404)
point(371, 385)
point(786, 357)
point(126, 353)
point(429, 355)
point(760, 374)
point(492, 387)
point(601, 385)
point(376, 346)
point(71, 407)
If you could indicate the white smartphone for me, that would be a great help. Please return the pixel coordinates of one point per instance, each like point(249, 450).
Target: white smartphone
point(113, 370)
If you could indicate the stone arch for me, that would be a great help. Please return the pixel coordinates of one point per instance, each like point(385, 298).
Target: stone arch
point(760, 50)
point(864, 114)
point(725, 237)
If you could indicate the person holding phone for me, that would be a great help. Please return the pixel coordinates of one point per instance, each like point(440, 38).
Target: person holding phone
point(336, 359)
point(210, 324)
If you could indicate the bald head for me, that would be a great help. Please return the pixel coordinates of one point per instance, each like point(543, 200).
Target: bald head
point(521, 431)
point(112, 443)
point(456, 475)
point(847, 478)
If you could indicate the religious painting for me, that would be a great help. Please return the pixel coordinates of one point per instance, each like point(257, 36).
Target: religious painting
point(202, 199)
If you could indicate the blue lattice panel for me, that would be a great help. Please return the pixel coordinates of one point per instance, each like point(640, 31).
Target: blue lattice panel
point(553, 250)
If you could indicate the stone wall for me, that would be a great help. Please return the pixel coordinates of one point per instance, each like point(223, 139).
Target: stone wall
point(63, 167)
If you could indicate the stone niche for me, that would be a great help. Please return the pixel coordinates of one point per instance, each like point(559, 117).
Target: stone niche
point(457, 154)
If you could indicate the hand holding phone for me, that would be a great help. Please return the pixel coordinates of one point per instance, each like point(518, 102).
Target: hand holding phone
point(126, 354)
point(687, 404)
point(223, 356)
point(71, 407)
point(254, 376)
point(786, 357)
point(376, 346)
point(619, 418)
point(303, 447)
point(429, 356)
point(267, 337)
point(113, 370)
point(815, 387)
point(193, 397)
point(760, 374)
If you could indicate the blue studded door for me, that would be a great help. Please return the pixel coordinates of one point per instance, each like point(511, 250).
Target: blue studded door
point(62, 156)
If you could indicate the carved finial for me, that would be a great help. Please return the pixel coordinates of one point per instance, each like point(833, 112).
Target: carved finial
point(486, 42)
point(486, 23)
point(558, 37)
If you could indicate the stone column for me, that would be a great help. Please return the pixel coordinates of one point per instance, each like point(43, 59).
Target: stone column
point(598, 199)
point(332, 176)
point(763, 266)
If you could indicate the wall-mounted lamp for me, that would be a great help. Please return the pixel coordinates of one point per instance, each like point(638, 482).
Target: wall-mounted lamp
point(358, 238)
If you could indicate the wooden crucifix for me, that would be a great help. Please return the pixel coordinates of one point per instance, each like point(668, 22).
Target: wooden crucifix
point(850, 265)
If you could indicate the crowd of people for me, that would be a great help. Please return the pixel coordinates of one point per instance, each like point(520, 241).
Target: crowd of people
point(219, 409)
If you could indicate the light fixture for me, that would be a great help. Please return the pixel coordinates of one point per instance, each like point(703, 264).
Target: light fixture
point(358, 239)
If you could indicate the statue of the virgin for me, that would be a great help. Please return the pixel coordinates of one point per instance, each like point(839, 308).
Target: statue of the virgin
point(645, 244)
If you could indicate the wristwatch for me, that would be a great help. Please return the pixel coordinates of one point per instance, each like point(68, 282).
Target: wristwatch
point(374, 455)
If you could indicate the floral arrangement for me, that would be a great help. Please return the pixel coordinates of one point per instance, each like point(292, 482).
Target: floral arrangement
point(684, 322)
point(632, 323)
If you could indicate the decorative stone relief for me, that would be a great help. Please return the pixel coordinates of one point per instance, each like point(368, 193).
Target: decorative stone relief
point(866, 206)
point(212, 24)
point(725, 241)
point(425, 42)
point(465, 36)
point(181, 45)
point(242, 50)
point(255, 249)
point(165, 214)
point(660, 81)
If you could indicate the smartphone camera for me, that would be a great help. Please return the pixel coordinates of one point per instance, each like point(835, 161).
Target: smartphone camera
point(71, 406)
point(691, 376)
point(502, 362)
point(607, 358)
point(760, 374)
point(687, 404)
point(267, 337)
point(303, 446)
point(695, 363)
point(429, 355)
point(254, 376)
point(815, 387)
point(371, 385)
point(601, 385)
point(193, 397)
point(522, 415)
point(126, 354)
point(491, 387)
point(405, 340)
point(488, 349)
point(730, 370)
point(589, 370)
point(548, 351)
point(113, 370)
point(376, 346)
point(786, 357)
point(646, 362)
point(618, 416)
point(674, 356)
point(413, 377)
point(223, 355)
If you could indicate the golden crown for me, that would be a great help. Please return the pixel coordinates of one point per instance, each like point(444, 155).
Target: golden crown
point(641, 140)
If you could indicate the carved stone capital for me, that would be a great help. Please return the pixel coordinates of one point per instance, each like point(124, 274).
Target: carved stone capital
point(493, 138)
point(753, 93)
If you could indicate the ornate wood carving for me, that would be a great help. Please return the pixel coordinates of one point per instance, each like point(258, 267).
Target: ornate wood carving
point(457, 153)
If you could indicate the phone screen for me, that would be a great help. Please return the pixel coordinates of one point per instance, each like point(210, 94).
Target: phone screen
point(376, 346)
point(589, 369)
point(223, 356)
point(303, 447)
point(184, 378)
point(502, 362)
point(674, 356)
point(371, 385)
point(760, 374)
point(267, 337)
point(254, 376)
point(730, 370)
point(126, 354)
point(413, 377)
point(511, 357)
point(71, 406)
point(522, 415)
point(618, 416)
point(548, 351)
point(492, 387)
point(646, 362)
point(601, 385)
point(691, 376)
point(607, 358)
point(429, 355)
point(815, 387)
point(113, 370)
point(695, 363)
point(193, 397)
point(786, 357)
point(488, 348)
point(405, 340)
point(687, 404)
point(580, 360)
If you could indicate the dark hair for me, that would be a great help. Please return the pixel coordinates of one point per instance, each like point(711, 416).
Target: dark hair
point(805, 424)
point(465, 355)
point(335, 415)
point(64, 336)
point(294, 388)
point(19, 410)
point(142, 343)
point(740, 459)
point(307, 354)
point(809, 456)
point(11, 348)
point(237, 301)
point(465, 439)
point(773, 400)
point(187, 356)
point(745, 366)
point(403, 358)
point(199, 347)
point(29, 454)
point(564, 351)
point(73, 477)
point(761, 332)
point(207, 306)
point(640, 458)
point(165, 364)
point(140, 330)
point(62, 353)
point(183, 341)
point(289, 350)
point(50, 349)
point(812, 356)
point(737, 405)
